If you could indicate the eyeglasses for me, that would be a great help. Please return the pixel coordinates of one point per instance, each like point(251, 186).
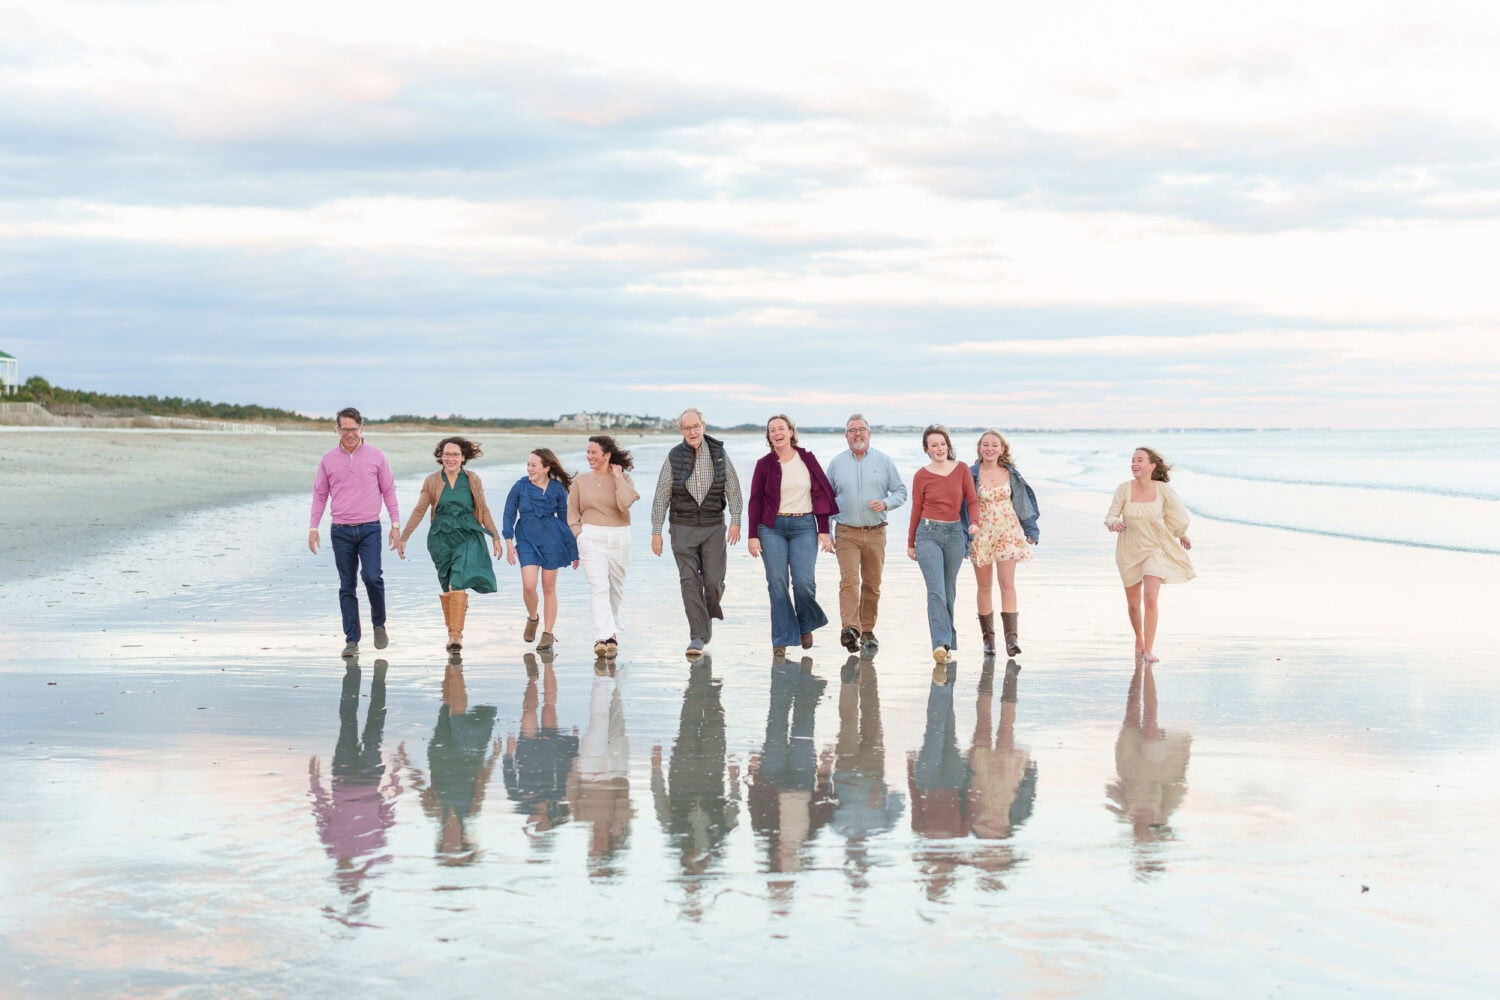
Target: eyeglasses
point(453, 454)
point(689, 428)
point(348, 430)
point(857, 430)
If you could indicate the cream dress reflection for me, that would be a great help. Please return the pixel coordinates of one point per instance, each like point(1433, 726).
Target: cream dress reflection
point(1148, 546)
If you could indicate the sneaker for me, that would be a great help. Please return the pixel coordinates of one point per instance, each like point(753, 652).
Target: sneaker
point(381, 639)
point(545, 646)
point(694, 648)
point(351, 650)
point(778, 653)
point(869, 641)
point(530, 634)
point(611, 647)
point(850, 638)
point(600, 647)
point(940, 654)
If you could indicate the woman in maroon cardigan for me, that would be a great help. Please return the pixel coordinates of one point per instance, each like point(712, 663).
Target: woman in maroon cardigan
point(790, 503)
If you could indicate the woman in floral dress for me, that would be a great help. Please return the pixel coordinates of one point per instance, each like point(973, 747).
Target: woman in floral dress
point(1007, 530)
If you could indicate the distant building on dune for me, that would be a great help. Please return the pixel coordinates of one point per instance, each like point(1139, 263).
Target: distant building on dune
point(10, 375)
point(609, 421)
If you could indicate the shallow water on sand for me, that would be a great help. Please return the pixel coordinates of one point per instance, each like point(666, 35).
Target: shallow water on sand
point(203, 799)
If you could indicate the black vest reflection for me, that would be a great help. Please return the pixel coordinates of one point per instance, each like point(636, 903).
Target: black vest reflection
point(460, 758)
point(539, 758)
point(692, 804)
point(790, 789)
point(864, 804)
point(1152, 766)
point(358, 805)
point(988, 794)
point(599, 785)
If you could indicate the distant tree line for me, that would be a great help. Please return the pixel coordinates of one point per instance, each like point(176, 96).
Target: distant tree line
point(457, 421)
point(38, 390)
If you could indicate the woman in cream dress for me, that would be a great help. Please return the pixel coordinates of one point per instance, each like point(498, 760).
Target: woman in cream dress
point(1151, 548)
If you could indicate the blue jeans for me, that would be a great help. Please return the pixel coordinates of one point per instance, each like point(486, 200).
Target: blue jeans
point(940, 551)
point(790, 548)
point(357, 547)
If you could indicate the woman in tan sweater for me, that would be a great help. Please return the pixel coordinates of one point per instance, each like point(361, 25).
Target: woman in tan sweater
point(599, 514)
point(455, 539)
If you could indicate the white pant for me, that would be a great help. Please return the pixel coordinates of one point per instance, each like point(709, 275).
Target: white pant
point(604, 552)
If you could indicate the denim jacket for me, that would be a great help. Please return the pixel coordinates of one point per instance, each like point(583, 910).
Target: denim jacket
point(1021, 498)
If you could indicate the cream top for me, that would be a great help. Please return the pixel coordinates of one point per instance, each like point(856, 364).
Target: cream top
point(796, 487)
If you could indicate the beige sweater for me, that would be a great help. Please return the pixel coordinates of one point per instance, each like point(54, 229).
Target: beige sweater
point(432, 489)
point(600, 499)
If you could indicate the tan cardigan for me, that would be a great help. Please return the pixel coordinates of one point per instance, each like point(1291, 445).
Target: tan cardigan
point(432, 489)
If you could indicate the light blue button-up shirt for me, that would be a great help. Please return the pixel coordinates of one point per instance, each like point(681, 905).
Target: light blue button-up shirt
point(857, 481)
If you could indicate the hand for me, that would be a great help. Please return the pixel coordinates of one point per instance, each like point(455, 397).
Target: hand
point(1034, 541)
point(498, 550)
point(973, 527)
point(876, 505)
point(911, 552)
point(1185, 542)
point(754, 546)
point(312, 541)
point(656, 545)
point(615, 470)
point(734, 534)
point(825, 542)
point(1117, 526)
point(510, 552)
point(575, 563)
point(395, 537)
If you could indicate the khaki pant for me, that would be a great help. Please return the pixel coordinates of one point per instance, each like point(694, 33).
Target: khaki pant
point(861, 555)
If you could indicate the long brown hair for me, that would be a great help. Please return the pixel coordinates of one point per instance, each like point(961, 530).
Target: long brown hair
point(1003, 459)
point(1158, 474)
point(616, 455)
point(555, 469)
point(938, 429)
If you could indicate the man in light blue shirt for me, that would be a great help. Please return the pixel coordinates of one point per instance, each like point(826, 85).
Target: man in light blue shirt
point(866, 486)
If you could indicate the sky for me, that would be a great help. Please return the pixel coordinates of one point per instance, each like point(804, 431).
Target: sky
point(1074, 214)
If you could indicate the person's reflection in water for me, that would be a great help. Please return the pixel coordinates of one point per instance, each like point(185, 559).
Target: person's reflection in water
point(938, 778)
point(599, 786)
point(538, 761)
point(1152, 764)
point(864, 804)
point(460, 758)
point(358, 806)
point(1003, 775)
point(692, 805)
point(790, 788)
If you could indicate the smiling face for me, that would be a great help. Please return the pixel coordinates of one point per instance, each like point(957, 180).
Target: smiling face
point(857, 436)
point(691, 426)
point(536, 468)
point(936, 446)
point(1141, 465)
point(350, 433)
point(778, 433)
point(598, 459)
point(453, 458)
point(990, 448)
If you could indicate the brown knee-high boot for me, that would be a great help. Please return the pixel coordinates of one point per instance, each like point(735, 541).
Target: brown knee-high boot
point(987, 630)
point(458, 601)
point(1012, 631)
point(446, 598)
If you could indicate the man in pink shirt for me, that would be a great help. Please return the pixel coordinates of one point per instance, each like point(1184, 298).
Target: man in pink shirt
point(357, 478)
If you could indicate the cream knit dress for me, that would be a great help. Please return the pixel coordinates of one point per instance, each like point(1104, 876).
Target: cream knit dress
point(1148, 546)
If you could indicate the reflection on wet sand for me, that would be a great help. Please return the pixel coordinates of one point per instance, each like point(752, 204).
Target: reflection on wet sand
point(358, 806)
point(864, 806)
point(1152, 766)
point(460, 758)
point(539, 759)
point(988, 794)
point(790, 790)
point(599, 785)
point(692, 804)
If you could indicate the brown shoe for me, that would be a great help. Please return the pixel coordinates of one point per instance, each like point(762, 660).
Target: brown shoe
point(545, 646)
point(987, 632)
point(807, 640)
point(530, 634)
point(1012, 622)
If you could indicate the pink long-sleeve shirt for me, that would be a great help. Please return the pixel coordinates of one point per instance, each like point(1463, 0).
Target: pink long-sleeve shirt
point(357, 482)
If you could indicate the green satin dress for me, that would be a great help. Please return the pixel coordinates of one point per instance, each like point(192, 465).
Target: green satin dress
point(458, 544)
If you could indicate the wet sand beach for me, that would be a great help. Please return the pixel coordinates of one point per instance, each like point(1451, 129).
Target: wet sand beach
point(205, 800)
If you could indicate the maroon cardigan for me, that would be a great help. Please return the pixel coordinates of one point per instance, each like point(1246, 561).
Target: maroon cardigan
point(765, 492)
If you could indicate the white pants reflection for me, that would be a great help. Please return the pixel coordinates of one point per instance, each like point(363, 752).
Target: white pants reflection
point(604, 552)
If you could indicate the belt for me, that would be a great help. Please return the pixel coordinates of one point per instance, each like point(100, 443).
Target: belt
point(359, 525)
point(860, 527)
point(805, 513)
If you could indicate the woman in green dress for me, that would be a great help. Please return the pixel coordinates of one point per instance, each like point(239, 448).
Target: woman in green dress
point(456, 537)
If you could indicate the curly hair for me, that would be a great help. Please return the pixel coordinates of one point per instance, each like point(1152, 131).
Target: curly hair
point(1159, 474)
point(469, 448)
point(617, 455)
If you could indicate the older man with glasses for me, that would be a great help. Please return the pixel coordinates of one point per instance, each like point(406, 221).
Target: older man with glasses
point(698, 485)
point(357, 478)
point(867, 487)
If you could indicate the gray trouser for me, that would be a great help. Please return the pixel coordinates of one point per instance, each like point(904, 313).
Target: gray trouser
point(702, 557)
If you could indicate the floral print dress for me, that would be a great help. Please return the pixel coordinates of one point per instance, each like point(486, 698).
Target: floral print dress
point(999, 537)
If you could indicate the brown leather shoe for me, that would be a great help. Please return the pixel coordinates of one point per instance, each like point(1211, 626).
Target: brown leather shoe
point(530, 634)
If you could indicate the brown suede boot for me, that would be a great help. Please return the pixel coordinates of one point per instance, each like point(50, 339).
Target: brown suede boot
point(987, 629)
point(446, 598)
point(1009, 619)
point(458, 601)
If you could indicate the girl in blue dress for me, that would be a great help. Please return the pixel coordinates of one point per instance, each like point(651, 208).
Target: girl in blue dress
point(537, 536)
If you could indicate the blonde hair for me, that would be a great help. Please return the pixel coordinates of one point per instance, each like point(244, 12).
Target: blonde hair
point(1003, 459)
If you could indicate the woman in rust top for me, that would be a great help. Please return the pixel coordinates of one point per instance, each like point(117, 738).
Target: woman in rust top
point(790, 503)
point(936, 538)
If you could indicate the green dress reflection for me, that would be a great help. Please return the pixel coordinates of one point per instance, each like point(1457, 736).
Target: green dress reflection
point(458, 543)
